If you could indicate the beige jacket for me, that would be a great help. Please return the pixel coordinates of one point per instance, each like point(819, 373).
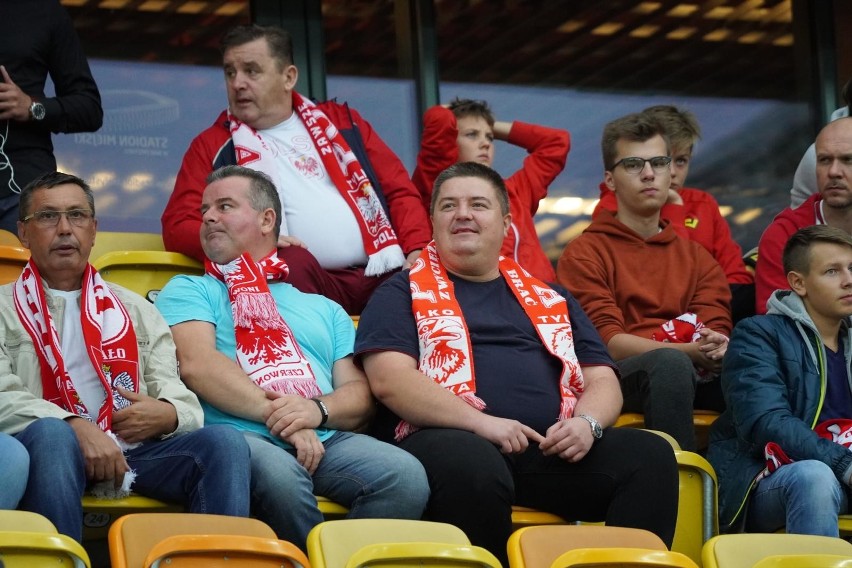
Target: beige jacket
point(21, 399)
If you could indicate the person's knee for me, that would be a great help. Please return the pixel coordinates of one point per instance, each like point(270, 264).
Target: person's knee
point(815, 484)
point(223, 443)
point(51, 438)
point(409, 478)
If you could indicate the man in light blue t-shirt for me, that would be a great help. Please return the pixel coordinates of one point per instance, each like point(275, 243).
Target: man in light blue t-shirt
point(284, 376)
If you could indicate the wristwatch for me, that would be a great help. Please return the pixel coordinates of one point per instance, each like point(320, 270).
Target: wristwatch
point(37, 110)
point(597, 431)
point(323, 410)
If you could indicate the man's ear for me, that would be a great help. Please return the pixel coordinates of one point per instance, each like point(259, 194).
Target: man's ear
point(267, 221)
point(22, 235)
point(796, 281)
point(291, 75)
point(609, 181)
point(507, 222)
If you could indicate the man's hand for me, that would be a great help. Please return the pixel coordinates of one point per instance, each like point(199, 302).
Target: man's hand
point(144, 419)
point(411, 259)
point(570, 439)
point(104, 459)
point(510, 436)
point(712, 348)
point(288, 241)
point(14, 103)
point(309, 450)
point(289, 413)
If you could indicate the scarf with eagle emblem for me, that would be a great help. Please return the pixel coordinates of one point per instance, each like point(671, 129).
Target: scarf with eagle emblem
point(446, 354)
point(109, 337)
point(380, 241)
point(266, 348)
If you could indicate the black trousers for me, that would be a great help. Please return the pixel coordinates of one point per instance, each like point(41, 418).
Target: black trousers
point(628, 479)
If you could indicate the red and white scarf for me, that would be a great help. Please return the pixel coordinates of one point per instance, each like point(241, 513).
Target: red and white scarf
point(107, 332)
point(380, 241)
point(266, 348)
point(684, 328)
point(838, 430)
point(446, 354)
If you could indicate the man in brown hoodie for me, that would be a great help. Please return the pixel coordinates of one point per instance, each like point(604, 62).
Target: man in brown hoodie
point(660, 303)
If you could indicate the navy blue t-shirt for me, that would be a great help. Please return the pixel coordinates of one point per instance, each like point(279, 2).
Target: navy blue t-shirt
point(516, 375)
point(838, 395)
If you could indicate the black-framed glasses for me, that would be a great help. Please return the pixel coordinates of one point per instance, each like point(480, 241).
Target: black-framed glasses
point(77, 217)
point(635, 165)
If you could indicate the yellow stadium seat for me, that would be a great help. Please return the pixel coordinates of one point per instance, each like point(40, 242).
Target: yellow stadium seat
point(224, 551)
point(701, 419)
point(622, 558)
point(331, 544)
point(31, 540)
point(41, 550)
point(132, 537)
point(100, 514)
point(697, 514)
point(13, 258)
point(110, 241)
point(805, 561)
point(745, 550)
point(415, 554)
point(539, 547)
point(145, 272)
point(845, 524)
point(9, 238)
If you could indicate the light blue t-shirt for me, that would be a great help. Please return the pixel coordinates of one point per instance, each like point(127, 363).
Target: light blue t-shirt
point(322, 328)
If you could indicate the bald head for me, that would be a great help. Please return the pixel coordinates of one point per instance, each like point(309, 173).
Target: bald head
point(834, 163)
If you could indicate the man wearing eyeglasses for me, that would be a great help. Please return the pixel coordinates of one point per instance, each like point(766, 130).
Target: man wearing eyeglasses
point(660, 303)
point(89, 382)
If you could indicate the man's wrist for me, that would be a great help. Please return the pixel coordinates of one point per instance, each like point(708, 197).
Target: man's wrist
point(323, 412)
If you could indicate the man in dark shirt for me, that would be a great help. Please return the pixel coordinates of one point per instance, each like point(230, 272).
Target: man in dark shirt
point(38, 39)
point(526, 427)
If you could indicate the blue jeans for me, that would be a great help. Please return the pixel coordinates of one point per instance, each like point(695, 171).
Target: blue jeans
point(373, 479)
point(14, 470)
point(207, 470)
point(805, 496)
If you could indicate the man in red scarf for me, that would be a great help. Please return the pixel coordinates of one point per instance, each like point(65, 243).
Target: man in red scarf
point(350, 213)
point(89, 382)
point(276, 363)
point(501, 387)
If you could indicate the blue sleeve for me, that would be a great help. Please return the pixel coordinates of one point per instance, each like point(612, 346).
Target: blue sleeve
point(344, 333)
point(185, 298)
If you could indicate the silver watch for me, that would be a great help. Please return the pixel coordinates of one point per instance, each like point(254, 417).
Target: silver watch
point(597, 431)
point(37, 111)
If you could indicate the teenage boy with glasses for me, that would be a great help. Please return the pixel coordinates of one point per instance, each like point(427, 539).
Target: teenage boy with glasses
point(660, 302)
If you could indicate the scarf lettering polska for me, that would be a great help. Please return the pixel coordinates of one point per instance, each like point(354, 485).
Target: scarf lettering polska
point(380, 241)
point(266, 349)
point(446, 354)
point(108, 334)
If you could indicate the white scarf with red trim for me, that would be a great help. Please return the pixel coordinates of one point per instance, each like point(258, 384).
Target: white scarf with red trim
point(380, 241)
point(110, 344)
point(266, 348)
point(446, 354)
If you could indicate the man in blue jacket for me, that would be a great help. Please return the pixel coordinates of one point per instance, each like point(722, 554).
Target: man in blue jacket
point(782, 447)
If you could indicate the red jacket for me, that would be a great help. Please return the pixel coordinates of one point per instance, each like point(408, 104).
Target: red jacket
point(548, 150)
point(627, 284)
point(699, 220)
point(213, 149)
point(769, 275)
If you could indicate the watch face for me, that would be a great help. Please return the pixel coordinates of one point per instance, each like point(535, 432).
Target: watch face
point(37, 111)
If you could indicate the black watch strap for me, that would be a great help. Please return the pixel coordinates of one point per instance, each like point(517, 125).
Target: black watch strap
point(323, 410)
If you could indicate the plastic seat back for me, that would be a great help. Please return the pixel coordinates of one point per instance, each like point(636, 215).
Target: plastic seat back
point(332, 543)
point(416, 554)
point(697, 513)
point(13, 258)
point(133, 536)
point(225, 551)
point(805, 561)
point(145, 272)
point(110, 241)
point(25, 521)
point(745, 550)
point(20, 549)
point(99, 514)
point(623, 558)
point(538, 547)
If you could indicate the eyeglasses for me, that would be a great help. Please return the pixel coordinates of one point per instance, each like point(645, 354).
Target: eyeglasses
point(636, 165)
point(77, 217)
